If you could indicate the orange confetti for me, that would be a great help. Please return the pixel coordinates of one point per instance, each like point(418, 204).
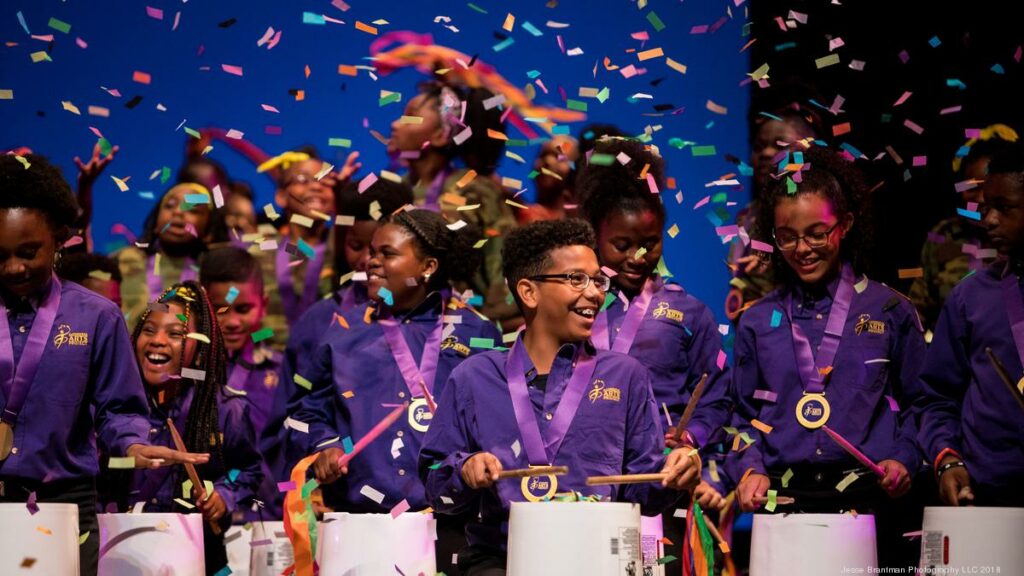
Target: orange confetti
point(764, 428)
point(346, 70)
point(649, 54)
point(141, 77)
point(348, 394)
point(366, 28)
point(510, 21)
point(496, 135)
point(341, 321)
point(300, 95)
point(44, 530)
point(366, 316)
point(671, 182)
point(453, 199)
point(905, 273)
point(467, 178)
point(840, 129)
point(307, 70)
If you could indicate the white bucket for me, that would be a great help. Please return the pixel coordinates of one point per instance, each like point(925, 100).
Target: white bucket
point(652, 530)
point(812, 544)
point(374, 544)
point(593, 538)
point(151, 544)
point(236, 542)
point(269, 559)
point(973, 540)
point(45, 542)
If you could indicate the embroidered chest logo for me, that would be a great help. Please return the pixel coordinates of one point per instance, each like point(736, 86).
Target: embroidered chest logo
point(452, 343)
point(66, 336)
point(602, 392)
point(270, 379)
point(663, 311)
point(864, 322)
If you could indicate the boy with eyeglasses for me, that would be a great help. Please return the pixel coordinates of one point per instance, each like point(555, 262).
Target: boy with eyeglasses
point(553, 399)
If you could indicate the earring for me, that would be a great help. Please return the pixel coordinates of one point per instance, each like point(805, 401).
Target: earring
point(426, 278)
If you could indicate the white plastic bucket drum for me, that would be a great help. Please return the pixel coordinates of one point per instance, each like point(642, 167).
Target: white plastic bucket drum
point(151, 544)
point(812, 544)
point(652, 530)
point(374, 544)
point(42, 543)
point(271, 550)
point(236, 542)
point(973, 540)
point(593, 538)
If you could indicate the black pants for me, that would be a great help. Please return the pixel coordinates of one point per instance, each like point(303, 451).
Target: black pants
point(81, 492)
point(477, 561)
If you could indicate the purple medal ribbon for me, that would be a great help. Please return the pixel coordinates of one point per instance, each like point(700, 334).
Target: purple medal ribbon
point(15, 381)
point(541, 449)
point(1015, 309)
point(430, 201)
point(810, 364)
point(293, 306)
point(156, 283)
point(416, 377)
point(630, 325)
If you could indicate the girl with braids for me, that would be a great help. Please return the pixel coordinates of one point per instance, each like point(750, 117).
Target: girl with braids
point(828, 347)
point(173, 237)
point(181, 357)
point(649, 318)
point(454, 140)
point(400, 347)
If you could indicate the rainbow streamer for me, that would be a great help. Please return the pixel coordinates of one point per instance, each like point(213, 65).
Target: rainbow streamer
point(420, 52)
point(300, 520)
point(699, 556)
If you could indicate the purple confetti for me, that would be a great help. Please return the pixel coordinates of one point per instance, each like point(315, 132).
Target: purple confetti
point(766, 395)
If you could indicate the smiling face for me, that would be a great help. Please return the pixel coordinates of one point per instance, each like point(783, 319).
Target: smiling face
point(175, 225)
point(27, 247)
point(357, 244)
point(809, 214)
point(1004, 213)
point(242, 316)
point(558, 309)
point(162, 346)
point(394, 265)
point(620, 238)
point(299, 192)
point(408, 137)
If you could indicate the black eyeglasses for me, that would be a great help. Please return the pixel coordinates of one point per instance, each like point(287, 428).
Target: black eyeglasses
point(789, 242)
point(578, 280)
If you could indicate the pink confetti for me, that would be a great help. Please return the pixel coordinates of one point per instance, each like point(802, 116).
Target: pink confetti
point(950, 110)
point(903, 98)
point(913, 126)
point(730, 230)
point(972, 133)
point(31, 504)
point(609, 272)
point(721, 359)
point(642, 36)
point(154, 13)
point(81, 43)
point(275, 40)
point(270, 108)
point(1017, 54)
point(340, 5)
point(628, 71)
point(701, 29)
point(835, 43)
point(286, 486)
point(367, 181)
point(702, 202)
point(231, 69)
point(96, 131)
point(73, 241)
point(651, 184)
point(920, 160)
point(234, 134)
point(893, 404)
point(177, 18)
point(400, 508)
point(965, 185)
point(272, 130)
point(762, 246)
point(766, 395)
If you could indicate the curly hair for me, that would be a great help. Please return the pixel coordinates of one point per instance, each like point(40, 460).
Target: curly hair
point(456, 257)
point(76, 267)
point(603, 189)
point(202, 427)
point(1009, 161)
point(837, 180)
point(229, 264)
point(40, 187)
point(479, 152)
point(527, 250)
point(389, 195)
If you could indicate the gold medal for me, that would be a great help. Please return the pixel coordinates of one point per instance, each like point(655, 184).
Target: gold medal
point(539, 488)
point(6, 440)
point(812, 411)
point(419, 415)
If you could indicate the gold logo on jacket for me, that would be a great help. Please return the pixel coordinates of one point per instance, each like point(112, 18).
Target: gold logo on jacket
point(864, 321)
point(452, 342)
point(663, 311)
point(602, 392)
point(66, 336)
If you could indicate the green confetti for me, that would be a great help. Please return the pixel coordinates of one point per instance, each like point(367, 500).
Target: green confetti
point(435, 466)
point(667, 559)
point(390, 99)
point(301, 381)
point(599, 159)
point(339, 142)
point(708, 150)
point(193, 133)
point(487, 343)
point(655, 21)
point(477, 8)
point(603, 95)
point(608, 299)
point(261, 335)
point(773, 501)
point(576, 105)
point(105, 146)
point(790, 186)
point(165, 174)
point(182, 317)
point(787, 477)
point(59, 25)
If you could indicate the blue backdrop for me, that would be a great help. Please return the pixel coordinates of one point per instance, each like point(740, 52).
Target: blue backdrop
point(77, 52)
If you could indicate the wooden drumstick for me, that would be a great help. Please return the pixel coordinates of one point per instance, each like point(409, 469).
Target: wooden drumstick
point(690, 407)
point(1004, 376)
point(853, 451)
point(535, 471)
point(780, 500)
point(625, 479)
point(179, 444)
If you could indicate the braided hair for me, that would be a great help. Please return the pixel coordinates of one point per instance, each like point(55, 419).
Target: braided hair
point(457, 259)
point(202, 429)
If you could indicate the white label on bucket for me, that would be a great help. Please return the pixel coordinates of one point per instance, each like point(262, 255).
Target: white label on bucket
point(931, 553)
point(624, 550)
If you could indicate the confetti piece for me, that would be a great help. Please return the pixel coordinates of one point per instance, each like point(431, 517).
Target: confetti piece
point(59, 25)
point(141, 77)
point(845, 482)
point(6, 94)
point(905, 273)
point(650, 54)
point(678, 67)
point(70, 107)
point(27, 562)
point(296, 425)
point(764, 428)
point(121, 185)
point(44, 530)
point(100, 275)
point(369, 180)
point(400, 508)
point(787, 477)
point(717, 109)
point(708, 150)
point(776, 318)
point(197, 336)
point(372, 494)
point(365, 28)
point(193, 374)
point(300, 220)
point(766, 395)
point(261, 335)
point(486, 343)
point(466, 179)
point(825, 61)
point(386, 296)
point(655, 22)
point(301, 381)
point(773, 501)
point(673, 231)
point(503, 44)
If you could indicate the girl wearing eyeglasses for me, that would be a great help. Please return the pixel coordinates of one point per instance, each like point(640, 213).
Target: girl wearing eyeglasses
point(831, 348)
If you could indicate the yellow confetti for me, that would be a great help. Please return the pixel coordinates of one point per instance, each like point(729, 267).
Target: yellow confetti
point(121, 184)
point(516, 204)
point(673, 231)
point(515, 157)
point(348, 394)
point(6, 94)
point(640, 253)
point(40, 57)
point(410, 120)
point(761, 72)
point(845, 482)
point(681, 68)
point(84, 537)
point(300, 220)
point(70, 107)
point(44, 530)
